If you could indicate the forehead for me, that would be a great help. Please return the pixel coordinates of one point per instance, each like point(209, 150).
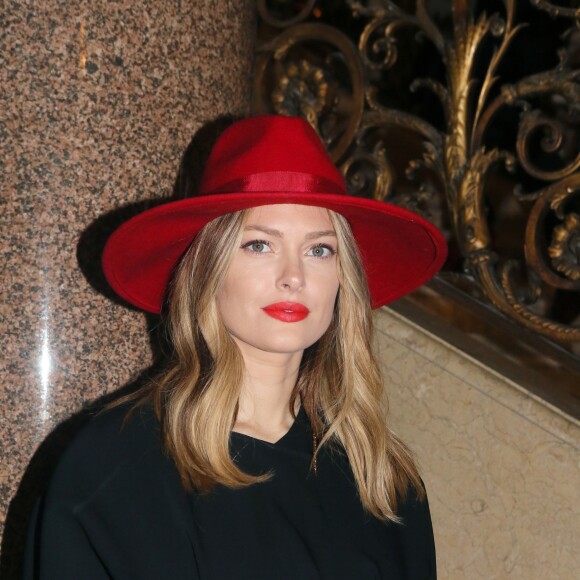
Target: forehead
point(289, 216)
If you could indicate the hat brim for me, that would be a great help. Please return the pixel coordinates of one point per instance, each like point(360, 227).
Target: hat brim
point(399, 249)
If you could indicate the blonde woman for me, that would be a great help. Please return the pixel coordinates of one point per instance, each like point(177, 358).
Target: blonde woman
point(261, 452)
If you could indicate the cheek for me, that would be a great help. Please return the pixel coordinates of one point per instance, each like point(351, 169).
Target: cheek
point(231, 287)
point(328, 286)
point(226, 299)
point(238, 293)
point(327, 293)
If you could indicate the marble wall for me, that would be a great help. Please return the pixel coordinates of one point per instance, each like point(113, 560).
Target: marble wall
point(502, 468)
point(100, 101)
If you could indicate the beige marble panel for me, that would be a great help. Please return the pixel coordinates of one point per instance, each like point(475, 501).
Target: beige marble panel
point(502, 468)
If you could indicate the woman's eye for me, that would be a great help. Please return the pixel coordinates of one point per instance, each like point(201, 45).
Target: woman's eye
point(257, 246)
point(321, 251)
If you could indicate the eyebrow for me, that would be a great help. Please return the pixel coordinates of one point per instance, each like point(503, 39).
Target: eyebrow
point(279, 234)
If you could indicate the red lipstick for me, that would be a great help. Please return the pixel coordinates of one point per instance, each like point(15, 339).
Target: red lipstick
point(287, 311)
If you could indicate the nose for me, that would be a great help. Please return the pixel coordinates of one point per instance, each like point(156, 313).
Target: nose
point(291, 274)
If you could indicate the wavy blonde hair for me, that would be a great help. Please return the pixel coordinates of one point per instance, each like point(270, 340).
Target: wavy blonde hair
point(339, 384)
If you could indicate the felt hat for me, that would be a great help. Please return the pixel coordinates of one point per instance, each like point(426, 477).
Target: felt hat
point(268, 160)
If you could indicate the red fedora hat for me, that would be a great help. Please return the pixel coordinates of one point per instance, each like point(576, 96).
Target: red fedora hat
point(268, 160)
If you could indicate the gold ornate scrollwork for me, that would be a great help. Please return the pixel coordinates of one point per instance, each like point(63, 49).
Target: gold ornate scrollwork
point(563, 247)
point(533, 122)
point(368, 170)
point(555, 10)
point(270, 17)
point(304, 86)
point(314, 70)
point(304, 63)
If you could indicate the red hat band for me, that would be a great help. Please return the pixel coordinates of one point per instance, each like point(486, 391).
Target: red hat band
point(280, 182)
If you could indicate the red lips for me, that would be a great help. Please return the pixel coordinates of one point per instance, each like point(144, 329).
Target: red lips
point(287, 311)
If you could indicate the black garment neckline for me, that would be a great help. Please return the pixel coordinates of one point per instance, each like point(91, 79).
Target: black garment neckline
point(294, 437)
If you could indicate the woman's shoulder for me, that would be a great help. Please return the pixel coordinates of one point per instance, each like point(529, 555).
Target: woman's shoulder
point(115, 434)
point(113, 492)
point(416, 534)
point(116, 443)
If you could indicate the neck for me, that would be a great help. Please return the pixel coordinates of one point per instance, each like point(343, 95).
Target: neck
point(267, 386)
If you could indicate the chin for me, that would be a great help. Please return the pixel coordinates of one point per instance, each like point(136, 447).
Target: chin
point(290, 346)
point(283, 348)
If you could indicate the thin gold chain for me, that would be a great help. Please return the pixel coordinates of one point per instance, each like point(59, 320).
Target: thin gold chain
point(314, 458)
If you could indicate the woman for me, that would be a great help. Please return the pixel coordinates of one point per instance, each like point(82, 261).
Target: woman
point(261, 451)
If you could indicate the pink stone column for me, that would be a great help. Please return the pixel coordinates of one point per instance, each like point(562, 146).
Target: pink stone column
point(99, 102)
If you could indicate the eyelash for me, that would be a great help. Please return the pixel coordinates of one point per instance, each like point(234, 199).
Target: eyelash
point(247, 246)
point(326, 247)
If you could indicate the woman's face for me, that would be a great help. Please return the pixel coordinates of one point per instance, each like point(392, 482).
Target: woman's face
point(279, 293)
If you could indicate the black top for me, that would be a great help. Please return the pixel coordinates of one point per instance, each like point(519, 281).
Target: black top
point(115, 508)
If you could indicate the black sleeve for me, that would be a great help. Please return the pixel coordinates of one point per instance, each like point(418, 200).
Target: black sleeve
point(417, 541)
point(58, 547)
point(114, 508)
